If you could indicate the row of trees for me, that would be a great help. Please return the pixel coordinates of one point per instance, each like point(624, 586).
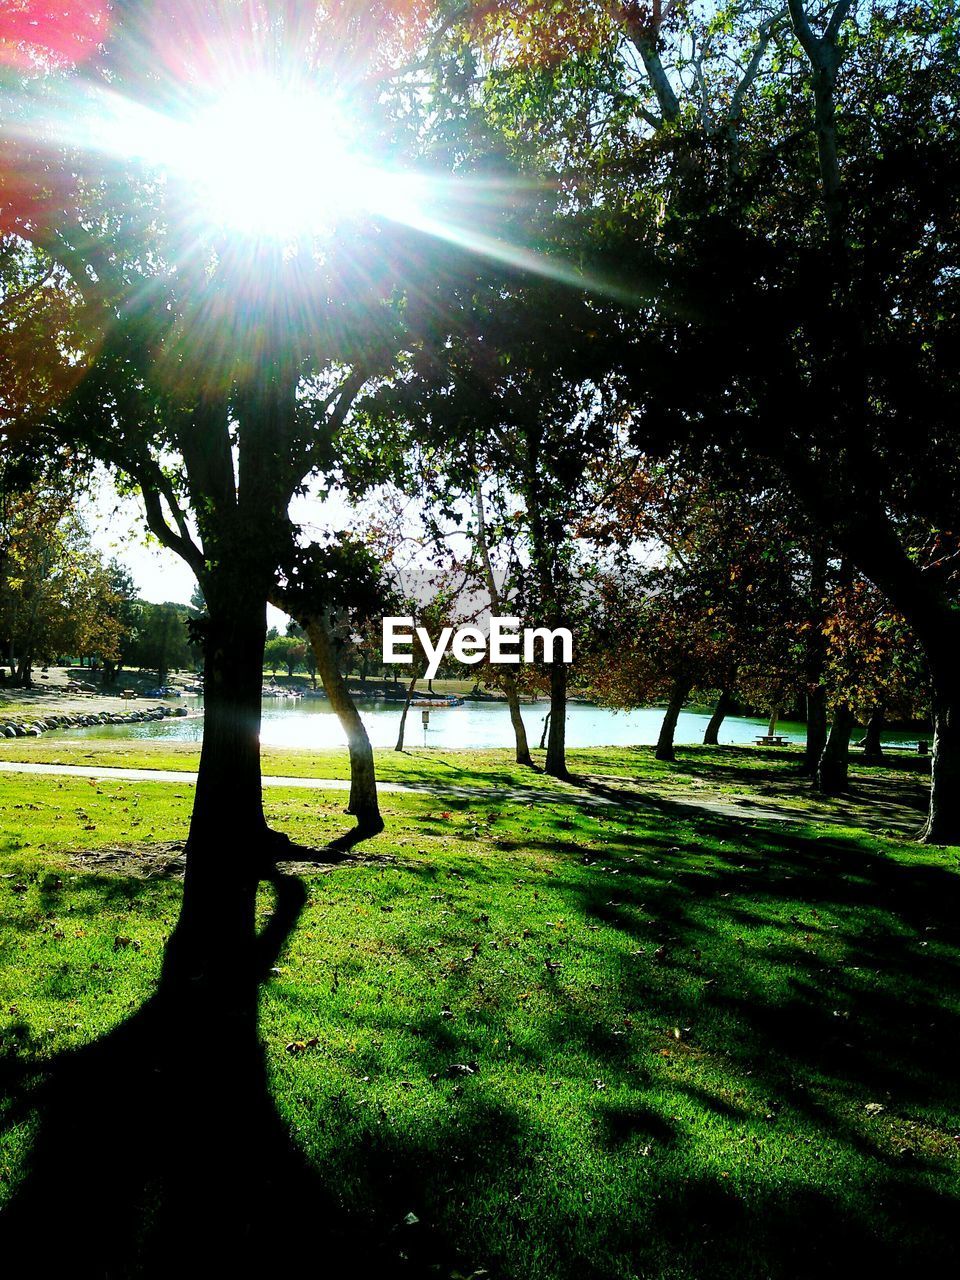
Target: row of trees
point(723, 284)
point(59, 597)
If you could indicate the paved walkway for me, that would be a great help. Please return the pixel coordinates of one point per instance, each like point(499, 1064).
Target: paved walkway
point(740, 807)
point(108, 774)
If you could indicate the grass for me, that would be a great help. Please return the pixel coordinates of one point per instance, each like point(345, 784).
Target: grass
point(629, 1041)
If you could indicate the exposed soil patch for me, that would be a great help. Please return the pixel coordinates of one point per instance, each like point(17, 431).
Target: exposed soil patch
point(167, 860)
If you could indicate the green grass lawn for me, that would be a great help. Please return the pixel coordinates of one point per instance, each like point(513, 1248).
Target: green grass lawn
point(574, 1042)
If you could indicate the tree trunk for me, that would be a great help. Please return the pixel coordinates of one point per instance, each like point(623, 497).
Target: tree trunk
point(815, 660)
point(872, 746)
point(363, 779)
point(678, 696)
point(772, 725)
point(522, 748)
point(816, 730)
point(24, 678)
point(556, 761)
point(403, 715)
point(546, 730)
point(508, 679)
point(943, 820)
point(720, 712)
point(832, 770)
point(230, 846)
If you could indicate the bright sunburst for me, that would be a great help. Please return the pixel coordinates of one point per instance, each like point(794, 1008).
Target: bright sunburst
point(273, 159)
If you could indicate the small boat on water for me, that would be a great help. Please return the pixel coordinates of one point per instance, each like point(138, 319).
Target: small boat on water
point(452, 701)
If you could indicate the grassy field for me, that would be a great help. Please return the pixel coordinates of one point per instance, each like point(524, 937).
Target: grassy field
point(635, 1038)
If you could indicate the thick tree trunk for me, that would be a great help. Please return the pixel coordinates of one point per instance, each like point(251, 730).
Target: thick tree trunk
point(872, 746)
point(403, 714)
point(363, 779)
point(678, 696)
point(772, 724)
point(832, 771)
point(230, 846)
point(720, 713)
point(556, 761)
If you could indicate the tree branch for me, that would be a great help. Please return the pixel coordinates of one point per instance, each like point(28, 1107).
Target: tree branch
point(765, 34)
point(154, 485)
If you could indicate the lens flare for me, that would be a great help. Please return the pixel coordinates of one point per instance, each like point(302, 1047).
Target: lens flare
point(273, 160)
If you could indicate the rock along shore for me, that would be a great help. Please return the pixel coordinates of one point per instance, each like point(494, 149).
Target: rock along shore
point(32, 726)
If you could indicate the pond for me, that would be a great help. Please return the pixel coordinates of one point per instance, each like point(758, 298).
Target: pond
point(312, 723)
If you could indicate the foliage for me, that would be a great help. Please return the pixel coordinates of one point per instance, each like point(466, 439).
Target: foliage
point(287, 652)
point(159, 638)
point(57, 597)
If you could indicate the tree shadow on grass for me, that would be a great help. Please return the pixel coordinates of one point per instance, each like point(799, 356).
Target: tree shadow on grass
point(815, 985)
point(158, 1149)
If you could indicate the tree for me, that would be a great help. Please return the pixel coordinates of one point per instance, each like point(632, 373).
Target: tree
point(331, 591)
point(217, 435)
point(703, 581)
point(309, 660)
point(498, 398)
point(124, 611)
point(790, 309)
point(159, 638)
point(56, 594)
point(284, 651)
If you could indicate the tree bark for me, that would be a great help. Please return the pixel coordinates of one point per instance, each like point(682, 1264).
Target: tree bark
point(406, 707)
point(522, 748)
point(815, 660)
point(508, 679)
point(943, 820)
point(230, 846)
point(678, 696)
point(556, 761)
point(872, 746)
point(720, 712)
point(816, 729)
point(363, 779)
point(832, 771)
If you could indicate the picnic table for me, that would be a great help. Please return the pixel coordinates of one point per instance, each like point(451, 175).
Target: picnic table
point(771, 740)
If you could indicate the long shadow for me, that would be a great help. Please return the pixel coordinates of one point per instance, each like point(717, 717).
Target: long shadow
point(158, 1148)
point(833, 1021)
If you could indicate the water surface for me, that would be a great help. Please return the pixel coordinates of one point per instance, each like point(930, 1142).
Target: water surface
point(311, 723)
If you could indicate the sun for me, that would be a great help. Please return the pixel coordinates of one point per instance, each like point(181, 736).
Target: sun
point(276, 160)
